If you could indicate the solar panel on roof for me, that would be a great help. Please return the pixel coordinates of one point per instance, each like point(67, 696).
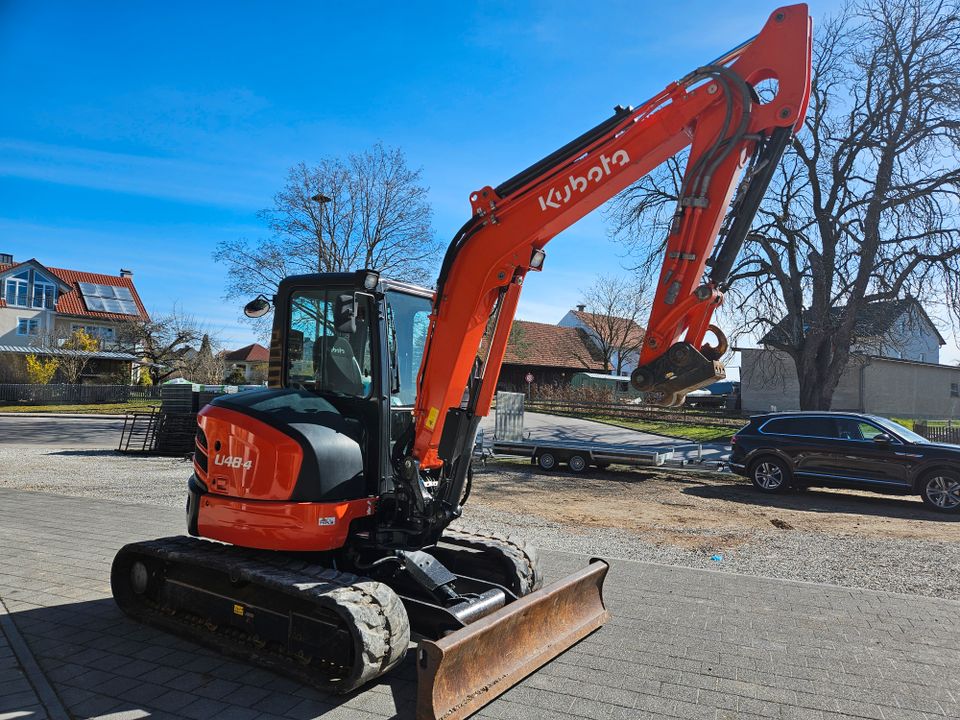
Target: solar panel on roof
point(108, 298)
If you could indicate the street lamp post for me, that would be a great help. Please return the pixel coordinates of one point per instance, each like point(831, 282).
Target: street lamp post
point(321, 200)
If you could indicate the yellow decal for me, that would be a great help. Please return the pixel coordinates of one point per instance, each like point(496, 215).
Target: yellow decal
point(238, 610)
point(432, 418)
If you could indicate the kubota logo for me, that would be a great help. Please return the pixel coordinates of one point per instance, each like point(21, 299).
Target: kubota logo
point(234, 461)
point(578, 183)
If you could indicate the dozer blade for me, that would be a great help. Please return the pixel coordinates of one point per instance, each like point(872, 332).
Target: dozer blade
point(465, 670)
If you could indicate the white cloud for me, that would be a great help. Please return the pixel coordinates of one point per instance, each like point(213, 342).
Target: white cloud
point(176, 178)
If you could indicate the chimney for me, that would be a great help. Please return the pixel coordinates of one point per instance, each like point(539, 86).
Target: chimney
point(6, 259)
point(126, 273)
point(581, 308)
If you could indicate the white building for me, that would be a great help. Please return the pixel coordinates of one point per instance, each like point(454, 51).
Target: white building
point(41, 306)
point(623, 358)
point(893, 369)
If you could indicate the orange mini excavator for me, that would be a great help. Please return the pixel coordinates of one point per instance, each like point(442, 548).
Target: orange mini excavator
point(320, 507)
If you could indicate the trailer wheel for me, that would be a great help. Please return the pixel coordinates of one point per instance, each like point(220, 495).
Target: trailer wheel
point(576, 463)
point(547, 460)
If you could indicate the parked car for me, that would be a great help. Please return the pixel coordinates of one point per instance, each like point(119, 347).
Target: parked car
point(831, 449)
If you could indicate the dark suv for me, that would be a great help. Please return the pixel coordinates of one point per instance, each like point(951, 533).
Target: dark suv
point(834, 449)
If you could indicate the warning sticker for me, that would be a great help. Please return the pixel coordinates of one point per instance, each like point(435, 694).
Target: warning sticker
point(432, 418)
point(238, 609)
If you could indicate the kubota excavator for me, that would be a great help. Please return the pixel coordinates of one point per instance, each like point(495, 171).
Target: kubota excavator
point(320, 507)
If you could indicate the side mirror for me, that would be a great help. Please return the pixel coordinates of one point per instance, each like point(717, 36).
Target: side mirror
point(345, 319)
point(258, 307)
point(882, 439)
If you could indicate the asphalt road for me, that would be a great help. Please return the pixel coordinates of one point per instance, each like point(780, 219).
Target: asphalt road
point(104, 433)
point(61, 432)
point(540, 426)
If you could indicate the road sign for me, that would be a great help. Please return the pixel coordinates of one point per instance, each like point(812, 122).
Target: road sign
point(529, 378)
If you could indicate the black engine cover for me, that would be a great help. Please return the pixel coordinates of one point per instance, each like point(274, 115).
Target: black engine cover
point(332, 467)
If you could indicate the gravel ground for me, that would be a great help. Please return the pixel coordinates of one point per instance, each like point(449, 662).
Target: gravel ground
point(927, 565)
point(905, 566)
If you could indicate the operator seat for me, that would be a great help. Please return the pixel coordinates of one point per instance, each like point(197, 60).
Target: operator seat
point(336, 366)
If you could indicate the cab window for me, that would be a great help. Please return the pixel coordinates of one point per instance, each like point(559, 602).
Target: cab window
point(321, 355)
point(408, 317)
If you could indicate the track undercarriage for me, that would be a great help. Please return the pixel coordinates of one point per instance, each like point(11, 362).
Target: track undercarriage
point(337, 630)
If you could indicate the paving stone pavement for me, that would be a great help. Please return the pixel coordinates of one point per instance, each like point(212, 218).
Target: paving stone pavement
point(683, 643)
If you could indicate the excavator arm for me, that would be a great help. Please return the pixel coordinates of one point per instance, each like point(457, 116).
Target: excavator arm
point(735, 143)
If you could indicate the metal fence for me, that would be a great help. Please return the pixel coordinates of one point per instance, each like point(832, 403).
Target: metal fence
point(719, 417)
point(75, 394)
point(938, 433)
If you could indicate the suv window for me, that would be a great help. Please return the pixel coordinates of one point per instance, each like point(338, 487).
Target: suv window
point(808, 426)
point(852, 429)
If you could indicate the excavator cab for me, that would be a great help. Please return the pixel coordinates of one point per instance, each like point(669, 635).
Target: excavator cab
point(356, 341)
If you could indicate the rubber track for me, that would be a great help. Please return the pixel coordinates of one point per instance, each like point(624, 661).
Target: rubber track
point(517, 552)
point(371, 610)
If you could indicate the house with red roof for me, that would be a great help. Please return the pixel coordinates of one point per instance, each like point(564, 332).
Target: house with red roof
point(251, 360)
point(550, 354)
point(42, 306)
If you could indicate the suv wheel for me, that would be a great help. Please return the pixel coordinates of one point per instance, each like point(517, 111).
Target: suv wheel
point(941, 491)
point(770, 475)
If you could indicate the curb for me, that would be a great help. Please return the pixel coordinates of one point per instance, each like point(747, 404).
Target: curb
point(69, 416)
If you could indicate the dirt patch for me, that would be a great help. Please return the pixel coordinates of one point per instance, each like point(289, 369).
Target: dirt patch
point(697, 509)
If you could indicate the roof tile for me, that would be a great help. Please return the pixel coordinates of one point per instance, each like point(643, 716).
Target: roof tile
point(71, 302)
point(249, 353)
point(543, 345)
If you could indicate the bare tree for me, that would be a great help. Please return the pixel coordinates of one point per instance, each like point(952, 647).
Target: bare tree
point(614, 307)
point(206, 365)
point(168, 342)
point(374, 214)
point(864, 207)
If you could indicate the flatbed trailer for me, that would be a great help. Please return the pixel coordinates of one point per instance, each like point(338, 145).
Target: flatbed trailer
point(578, 455)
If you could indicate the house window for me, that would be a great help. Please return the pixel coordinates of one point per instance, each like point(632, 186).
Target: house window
point(28, 326)
point(44, 294)
point(94, 331)
point(16, 290)
point(955, 390)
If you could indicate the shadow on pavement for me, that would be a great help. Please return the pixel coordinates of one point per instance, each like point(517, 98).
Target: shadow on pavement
point(86, 453)
point(99, 662)
point(905, 507)
point(515, 472)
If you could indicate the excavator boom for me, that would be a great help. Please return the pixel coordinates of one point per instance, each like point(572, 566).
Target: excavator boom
point(714, 111)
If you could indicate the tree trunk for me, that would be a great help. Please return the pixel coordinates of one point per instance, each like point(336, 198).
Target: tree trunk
point(818, 373)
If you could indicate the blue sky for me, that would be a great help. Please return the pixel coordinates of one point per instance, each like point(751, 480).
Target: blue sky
point(140, 134)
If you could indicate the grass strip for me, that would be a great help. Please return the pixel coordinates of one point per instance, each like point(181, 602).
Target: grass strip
point(91, 409)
